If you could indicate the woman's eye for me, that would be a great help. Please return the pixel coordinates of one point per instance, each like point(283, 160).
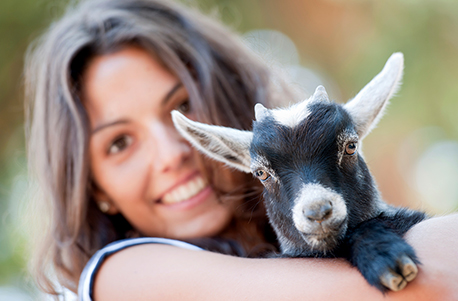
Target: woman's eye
point(184, 107)
point(262, 175)
point(350, 149)
point(119, 144)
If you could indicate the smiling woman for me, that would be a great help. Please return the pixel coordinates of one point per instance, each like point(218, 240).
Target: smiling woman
point(101, 85)
point(116, 176)
point(140, 165)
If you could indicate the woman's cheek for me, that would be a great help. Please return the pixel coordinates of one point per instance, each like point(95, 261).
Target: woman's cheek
point(125, 180)
point(132, 176)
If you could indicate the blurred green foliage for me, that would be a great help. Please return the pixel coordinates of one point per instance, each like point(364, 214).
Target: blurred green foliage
point(347, 41)
point(20, 22)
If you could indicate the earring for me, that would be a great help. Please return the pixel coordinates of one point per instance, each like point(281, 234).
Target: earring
point(104, 206)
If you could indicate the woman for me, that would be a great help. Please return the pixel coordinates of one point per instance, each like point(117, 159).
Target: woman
point(102, 83)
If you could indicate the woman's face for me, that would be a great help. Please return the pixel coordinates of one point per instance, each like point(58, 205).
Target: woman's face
point(139, 162)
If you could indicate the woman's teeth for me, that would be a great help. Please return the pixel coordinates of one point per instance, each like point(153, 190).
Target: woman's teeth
point(185, 191)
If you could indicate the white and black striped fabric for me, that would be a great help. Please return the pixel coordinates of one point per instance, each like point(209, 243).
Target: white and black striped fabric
point(87, 277)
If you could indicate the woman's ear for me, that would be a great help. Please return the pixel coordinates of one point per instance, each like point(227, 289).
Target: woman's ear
point(104, 203)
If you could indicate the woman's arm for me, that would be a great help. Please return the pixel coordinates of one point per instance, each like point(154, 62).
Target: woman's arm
point(436, 243)
point(163, 272)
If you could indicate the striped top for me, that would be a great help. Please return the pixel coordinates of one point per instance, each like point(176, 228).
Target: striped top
point(87, 277)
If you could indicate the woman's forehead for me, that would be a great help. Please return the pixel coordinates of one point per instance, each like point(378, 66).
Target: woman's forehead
point(124, 81)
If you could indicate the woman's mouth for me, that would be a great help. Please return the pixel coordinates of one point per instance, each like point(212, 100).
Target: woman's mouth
point(185, 191)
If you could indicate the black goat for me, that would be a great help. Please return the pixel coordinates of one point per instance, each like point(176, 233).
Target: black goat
point(320, 196)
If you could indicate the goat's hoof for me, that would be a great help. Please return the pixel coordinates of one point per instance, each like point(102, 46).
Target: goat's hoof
point(408, 268)
point(393, 281)
point(407, 272)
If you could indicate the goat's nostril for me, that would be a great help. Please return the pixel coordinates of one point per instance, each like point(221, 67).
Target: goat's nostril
point(319, 213)
point(326, 210)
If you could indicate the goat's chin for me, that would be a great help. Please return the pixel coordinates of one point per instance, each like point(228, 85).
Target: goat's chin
point(311, 246)
point(325, 240)
point(321, 243)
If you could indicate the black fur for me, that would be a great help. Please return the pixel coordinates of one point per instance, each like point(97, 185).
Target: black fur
point(311, 152)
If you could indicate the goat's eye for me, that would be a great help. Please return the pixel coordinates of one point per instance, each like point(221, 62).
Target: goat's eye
point(262, 175)
point(350, 149)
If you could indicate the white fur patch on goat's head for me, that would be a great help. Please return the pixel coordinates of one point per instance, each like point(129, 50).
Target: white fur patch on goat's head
point(367, 107)
point(227, 145)
point(293, 115)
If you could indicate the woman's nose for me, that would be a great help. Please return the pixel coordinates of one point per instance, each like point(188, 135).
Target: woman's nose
point(170, 150)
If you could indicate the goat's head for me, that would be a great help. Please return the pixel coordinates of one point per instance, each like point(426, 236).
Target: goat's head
point(308, 158)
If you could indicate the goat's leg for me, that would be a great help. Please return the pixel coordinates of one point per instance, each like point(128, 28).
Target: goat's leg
point(400, 220)
point(382, 256)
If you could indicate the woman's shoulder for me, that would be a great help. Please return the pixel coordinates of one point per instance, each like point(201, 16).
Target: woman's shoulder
point(86, 282)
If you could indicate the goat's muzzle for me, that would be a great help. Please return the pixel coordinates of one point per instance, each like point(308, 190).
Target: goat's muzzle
point(320, 215)
point(318, 211)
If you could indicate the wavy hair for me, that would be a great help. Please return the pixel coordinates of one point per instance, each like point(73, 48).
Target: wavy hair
point(223, 79)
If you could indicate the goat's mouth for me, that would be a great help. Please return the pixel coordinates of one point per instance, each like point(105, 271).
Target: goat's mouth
point(325, 237)
point(325, 229)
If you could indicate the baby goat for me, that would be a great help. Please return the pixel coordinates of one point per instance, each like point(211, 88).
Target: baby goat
point(320, 196)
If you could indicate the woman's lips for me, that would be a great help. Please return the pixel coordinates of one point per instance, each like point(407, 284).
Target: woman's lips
point(185, 191)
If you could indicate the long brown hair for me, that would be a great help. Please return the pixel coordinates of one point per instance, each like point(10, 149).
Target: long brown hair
point(223, 79)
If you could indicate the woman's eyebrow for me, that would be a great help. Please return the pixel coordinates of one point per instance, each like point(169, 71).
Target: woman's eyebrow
point(105, 125)
point(122, 121)
point(171, 92)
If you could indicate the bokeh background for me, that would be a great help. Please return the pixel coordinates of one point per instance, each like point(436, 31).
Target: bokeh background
point(339, 43)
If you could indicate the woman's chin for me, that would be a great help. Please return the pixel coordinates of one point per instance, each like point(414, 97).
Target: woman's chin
point(206, 224)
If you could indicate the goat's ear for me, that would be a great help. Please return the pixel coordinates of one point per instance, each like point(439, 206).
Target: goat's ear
point(367, 107)
point(227, 145)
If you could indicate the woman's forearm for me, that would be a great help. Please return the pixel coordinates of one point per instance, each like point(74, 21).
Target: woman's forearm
point(436, 243)
point(165, 272)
